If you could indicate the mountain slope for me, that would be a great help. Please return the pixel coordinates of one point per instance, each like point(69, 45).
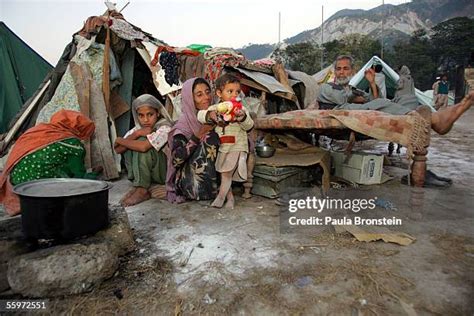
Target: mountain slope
point(398, 22)
point(257, 51)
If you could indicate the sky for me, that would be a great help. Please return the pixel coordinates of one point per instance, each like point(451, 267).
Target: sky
point(47, 26)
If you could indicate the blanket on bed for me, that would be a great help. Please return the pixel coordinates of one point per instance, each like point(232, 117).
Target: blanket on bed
point(411, 131)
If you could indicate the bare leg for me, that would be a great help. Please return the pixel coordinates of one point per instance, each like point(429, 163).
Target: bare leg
point(140, 195)
point(230, 200)
point(443, 120)
point(249, 183)
point(226, 183)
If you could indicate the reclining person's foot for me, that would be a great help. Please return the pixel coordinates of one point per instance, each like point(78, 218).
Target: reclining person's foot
point(443, 120)
point(468, 100)
point(140, 195)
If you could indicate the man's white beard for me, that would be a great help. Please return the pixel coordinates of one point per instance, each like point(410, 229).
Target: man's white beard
point(343, 81)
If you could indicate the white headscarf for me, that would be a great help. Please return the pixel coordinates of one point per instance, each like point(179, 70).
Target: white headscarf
point(151, 101)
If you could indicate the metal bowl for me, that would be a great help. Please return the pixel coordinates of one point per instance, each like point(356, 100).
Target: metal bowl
point(265, 151)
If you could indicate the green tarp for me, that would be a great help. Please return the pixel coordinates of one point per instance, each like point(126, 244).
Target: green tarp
point(22, 71)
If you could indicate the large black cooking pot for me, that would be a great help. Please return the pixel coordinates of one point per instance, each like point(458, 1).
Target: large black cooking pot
point(63, 208)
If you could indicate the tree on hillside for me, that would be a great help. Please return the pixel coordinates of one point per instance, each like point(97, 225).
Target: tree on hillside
point(304, 57)
point(453, 41)
point(417, 54)
point(451, 44)
point(361, 47)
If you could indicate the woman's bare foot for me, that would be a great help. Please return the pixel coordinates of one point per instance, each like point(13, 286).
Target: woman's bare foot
point(443, 120)
point(140, 195)
point(127, 195)
point(230, 200)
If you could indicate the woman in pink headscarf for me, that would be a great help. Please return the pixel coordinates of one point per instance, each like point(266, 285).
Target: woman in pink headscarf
point(191, 173)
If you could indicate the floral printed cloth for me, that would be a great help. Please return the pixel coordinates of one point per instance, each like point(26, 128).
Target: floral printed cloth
point(194, 160)
point(65, 96)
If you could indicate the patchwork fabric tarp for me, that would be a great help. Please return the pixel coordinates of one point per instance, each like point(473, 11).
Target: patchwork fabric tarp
point(22, 70)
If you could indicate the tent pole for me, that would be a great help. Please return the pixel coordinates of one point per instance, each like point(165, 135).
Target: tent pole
point(322, 39)
point(381, 37)
point(11, 133)
point(279, 27)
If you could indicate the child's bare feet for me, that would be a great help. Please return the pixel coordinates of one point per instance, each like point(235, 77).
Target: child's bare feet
point(140, 195)
point(225, 188)
point(218, 202)
point(230, 200)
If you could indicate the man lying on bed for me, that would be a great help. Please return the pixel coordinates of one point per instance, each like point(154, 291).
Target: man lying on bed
point(340, 96)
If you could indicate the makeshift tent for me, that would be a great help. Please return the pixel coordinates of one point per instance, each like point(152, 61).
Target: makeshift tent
point(391, 81)
point(98, 74)
point(22, 70)
point(275, 87)
point(110, 61)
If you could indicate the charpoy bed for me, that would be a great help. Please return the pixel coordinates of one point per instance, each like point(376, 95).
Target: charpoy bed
point(411, 131)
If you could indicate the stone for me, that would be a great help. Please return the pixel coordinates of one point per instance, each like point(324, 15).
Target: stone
point(63, 270)
point(8, 250)
point(118, 233)
point(10, 227)
point(10, 246)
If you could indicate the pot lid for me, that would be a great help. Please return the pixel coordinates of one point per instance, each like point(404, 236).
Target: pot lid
point(59, 187)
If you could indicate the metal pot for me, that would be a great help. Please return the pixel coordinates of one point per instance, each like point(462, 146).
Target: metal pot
point(63, 208)
point(265, 151)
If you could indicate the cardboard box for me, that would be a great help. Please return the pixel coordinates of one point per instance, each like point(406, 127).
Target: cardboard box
point(362, 168)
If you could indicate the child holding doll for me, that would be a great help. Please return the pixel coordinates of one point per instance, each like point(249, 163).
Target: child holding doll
point(234, 122)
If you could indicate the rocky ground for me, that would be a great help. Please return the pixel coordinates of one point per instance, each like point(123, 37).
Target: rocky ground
point(193, 259)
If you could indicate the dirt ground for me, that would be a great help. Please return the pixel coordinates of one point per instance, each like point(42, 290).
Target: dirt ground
point(193, 259)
